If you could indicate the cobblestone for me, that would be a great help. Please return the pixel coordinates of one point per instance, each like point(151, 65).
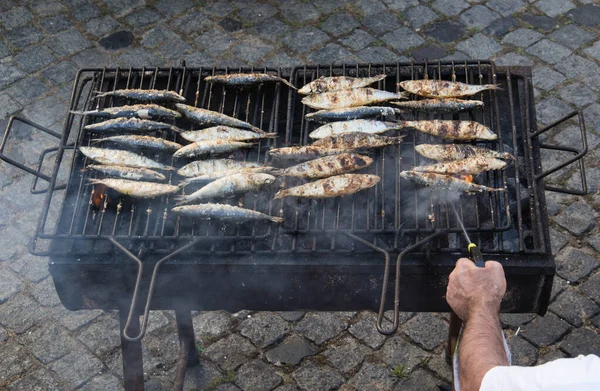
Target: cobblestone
point(546, 330)
point(419, 16)
point(402, 39)
point(546, 78)
point(377, 54)
point(557, 240)
point(500, 27)
point(231, 352)
point(418, 380)
point(102, 383)
point(68, 42)
point(101, 26)
point(426, 329)
point(9, 285)
point(431, 52)
point(102, 336)
point(549, 51)
point(578, 218)
point(264, 329)
point(9, 74)
point(522, 38)
point(300, 13)
point(346, 355)
point(480, 46)
point(573, 264)
point(552, 109)
point(76, 367)
point(554, 8)
point(20, 312)
point(142, 18)
point(522, 352)
point(22, 37)
point(13, 360)
point(16, 17)
point(540, 22)
point(365, 332)
point(305, 38)
point(291, 351)
point(478, 17)
point(574, 308)
point(381, 23)
point(506, 7)
point(451, 7)
point(49, 343)
point(45, 293)
point(397, 351)
point(212, 324)
point(38, 380)
point(581, 341)
point(322, 326)
point(591, 288)
point(514, 321)
point(445, 31)
point(572, 36)
point(312, 377)
point(257, 376)
point(372, 377)
point(514, 59)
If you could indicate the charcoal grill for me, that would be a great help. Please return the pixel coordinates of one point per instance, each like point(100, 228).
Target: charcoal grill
point(328, 254)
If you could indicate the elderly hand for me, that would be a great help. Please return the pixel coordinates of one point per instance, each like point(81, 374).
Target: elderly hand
point(473, 289)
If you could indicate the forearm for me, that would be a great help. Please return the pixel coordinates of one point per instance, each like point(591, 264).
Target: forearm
point(481, 349)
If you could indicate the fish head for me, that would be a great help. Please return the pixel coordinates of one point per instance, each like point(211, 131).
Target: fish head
point(263, 179)
point(408, 174)
point(496, 164)
point(305, 90)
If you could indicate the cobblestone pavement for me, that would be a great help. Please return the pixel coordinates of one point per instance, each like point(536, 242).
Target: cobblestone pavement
point(46, 347)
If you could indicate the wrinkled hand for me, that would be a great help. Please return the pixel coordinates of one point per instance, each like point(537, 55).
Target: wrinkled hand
point(473, 289)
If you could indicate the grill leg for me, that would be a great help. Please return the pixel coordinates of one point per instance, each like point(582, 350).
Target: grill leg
point(133, 369)
point(188, 355)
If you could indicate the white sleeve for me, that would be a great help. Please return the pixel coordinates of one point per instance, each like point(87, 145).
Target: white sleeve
point(581, 373)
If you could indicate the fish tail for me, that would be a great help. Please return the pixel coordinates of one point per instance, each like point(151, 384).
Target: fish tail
point(276, 219)
point(175, 129)
point(287, 83)
point(100, 94)
point(94, 181)
point(280, 194)
point(500, 189)
point(398, 140)
point(83, 112)
point(270, 135)
point(494, 87)
point(180, 200)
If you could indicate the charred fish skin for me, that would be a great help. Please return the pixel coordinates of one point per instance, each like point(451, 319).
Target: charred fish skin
point(121, 157)
point(449, 152)
point(222, 212)
point(348, 113)
point(452, 130)
point(123, 124)
point(243, 79)
point(125, 172)
point(444, 88)
point(137, 189)
point(144, 95)
point(350, 98)
point(209, 117)
point(223, 132)
point(305, 152)
point(446, 182)
point(469, 166)
point(334, 186)
point(353, 126)
point(209, 148)
point(146, 111)
point(338, 83)
point(228, 186)
point(209, 167)
point(436, 105)
point(356, 141)
point(329, 166)
point(143, 142)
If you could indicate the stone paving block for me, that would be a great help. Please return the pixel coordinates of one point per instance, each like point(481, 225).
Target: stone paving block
point(87, 12)
point(546, 330)
point(9, 285)
point(522, 352)
point(576, 66)
point(445, 30)
point(522, 37)
point(578, 218)
point(20, 312)
point(402, 39)
point(430, 52)
point(506, 7)
point(377, 54)
point(572, 36)
point(586, 15)
point(68, 42)
point(291, 351)
point(231, 352)
point(257, 376)
point(331, 52)
point(381, 23)
point(515, 321)
point(4, 50)
point(546, 78)
point(256, 13)
point(549, 51)
point(400, 5)
point(92, 58)
point(594, 50)
point(3, 334)
point(212, 324)
point(451, 7)
point(373, 377)
point(554, 8)
point(9, 74)
point(322, 326)
point(46, 112)
point(592, 117)
point(123, 7)
point(500, 27)
point(514, 59)
point(300, 13)
point(305, 38)
point(419, 16)
point(591, 288)
point(48, 8)
point(103, 383)
point(418, 380)
point(264, 328)
point(438, 364)
point(541, 22)
point(478, 17)
point(426, 330)
point(158, 35)
point(76, 367)
point(251, 50)
point(55, 24)
point(287, 387)
point(368, 7)
point(16, 17)
point(61, 73)
point(366, 331)
point(142, 18)
point(49, 342)
point(11, 239)
point(21, 37)
point(271, 29)
point(45, 293)
point(170, 8)
point(312, 377)
point(573, 264)
point(558, 285)
point(281, 59)
point(573, 307)
point(73, 320)
point(14, 360)
point(28, 90)
point(557, 240)
point(102, 336)
point(479, 46)
point(581, 341)
point(291, 316)
point(138, 57)
point(174, 50)
point(101, 26)
point(346, 354)
point(37, 380)
point(397, 351)
point(596, 321)
point(578, 94)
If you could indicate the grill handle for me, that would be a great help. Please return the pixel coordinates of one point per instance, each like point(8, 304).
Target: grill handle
point(36, 172)
point(578, 154)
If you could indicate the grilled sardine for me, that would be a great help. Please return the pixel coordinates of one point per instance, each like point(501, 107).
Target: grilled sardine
point(348, 113)
point(130, 125)
point(353, 141)
point(121, 158)
point(223, 132)
point(448, 152)
point(221, 174)
point(445, 182)
point(227, 187)
point(148, 111)
point(222, 212)
point(329, 166)
point(334, 186)
point(337, 83)
point(136, 189)
point(144, 95)
point(209, 148)
point(452, 130)
point(443, 88)
point(469, 166)
point(209, 117)
point(210, 167)
point(125, 172)
point(303, 152)
point(437, 105)
point(353, 126)
point(242, 79)
point(349, 98)
point(143, 142)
